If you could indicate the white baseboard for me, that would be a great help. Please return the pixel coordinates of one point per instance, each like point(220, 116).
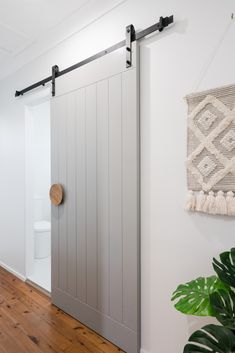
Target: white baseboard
point(15, 273)
point(143, 351)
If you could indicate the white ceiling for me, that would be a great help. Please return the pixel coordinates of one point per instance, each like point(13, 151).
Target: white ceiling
point(23, 21)
point(31, 23)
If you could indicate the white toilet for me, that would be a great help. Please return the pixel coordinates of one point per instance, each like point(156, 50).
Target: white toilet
point(42, 231)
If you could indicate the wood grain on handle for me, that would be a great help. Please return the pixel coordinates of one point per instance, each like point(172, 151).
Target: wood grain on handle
point(56, 194)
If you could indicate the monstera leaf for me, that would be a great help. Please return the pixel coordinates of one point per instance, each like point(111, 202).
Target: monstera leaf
point(211, 339)
point(225, 269)
point(223, 305)
point(194, 297)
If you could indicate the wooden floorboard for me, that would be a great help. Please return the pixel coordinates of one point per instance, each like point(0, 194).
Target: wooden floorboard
point(29, 323)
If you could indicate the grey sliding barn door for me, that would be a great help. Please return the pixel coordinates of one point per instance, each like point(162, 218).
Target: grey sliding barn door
point(95, 232)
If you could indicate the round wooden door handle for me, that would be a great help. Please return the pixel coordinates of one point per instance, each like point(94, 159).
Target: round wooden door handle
point(56, 194)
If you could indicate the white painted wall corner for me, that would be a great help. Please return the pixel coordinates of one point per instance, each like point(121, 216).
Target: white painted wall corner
point(15, 273)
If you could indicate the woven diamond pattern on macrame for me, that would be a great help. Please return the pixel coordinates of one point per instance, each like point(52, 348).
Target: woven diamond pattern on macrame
point(211, 141)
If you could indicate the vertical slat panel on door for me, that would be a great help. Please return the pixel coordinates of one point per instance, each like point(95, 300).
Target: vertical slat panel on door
point(130, 176)
point(91, 192)
point(81, 194)
point(62, 175)
point(103, 195)
point(71, 195)
point(115, 195)
point(95, 148)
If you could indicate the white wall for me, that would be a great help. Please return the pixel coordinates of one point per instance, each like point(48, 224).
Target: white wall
point(176, 246)
point(40, 115)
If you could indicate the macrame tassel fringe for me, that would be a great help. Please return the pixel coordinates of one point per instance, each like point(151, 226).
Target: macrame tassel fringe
point(209, 205)
point(221, 203)
point(230, 203)
point(200, 200)
point(191, 201)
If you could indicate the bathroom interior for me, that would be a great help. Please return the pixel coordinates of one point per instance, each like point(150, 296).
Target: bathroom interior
point(38, 219)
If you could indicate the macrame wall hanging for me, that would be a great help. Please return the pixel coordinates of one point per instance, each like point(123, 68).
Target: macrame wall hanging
point(211, 151)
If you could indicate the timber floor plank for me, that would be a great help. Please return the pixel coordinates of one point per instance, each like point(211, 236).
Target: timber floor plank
point(29, 323)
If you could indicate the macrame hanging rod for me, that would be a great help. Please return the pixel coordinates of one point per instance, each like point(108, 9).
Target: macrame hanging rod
point(131, 36)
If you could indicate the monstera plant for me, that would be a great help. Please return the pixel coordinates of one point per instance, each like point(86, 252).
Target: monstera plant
point(212, 296)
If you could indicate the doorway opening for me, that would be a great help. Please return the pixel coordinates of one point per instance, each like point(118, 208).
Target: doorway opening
point(38, 180)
